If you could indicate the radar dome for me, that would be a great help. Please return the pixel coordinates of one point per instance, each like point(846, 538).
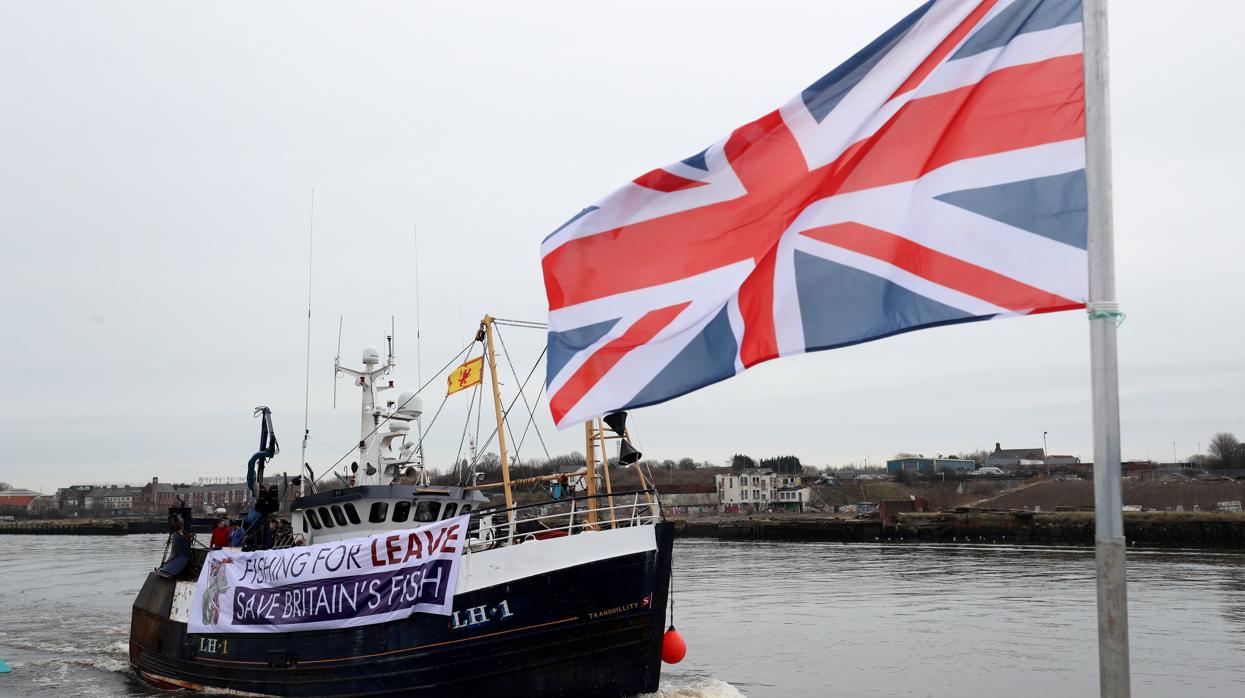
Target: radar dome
point(371, 355)
point(409, 405)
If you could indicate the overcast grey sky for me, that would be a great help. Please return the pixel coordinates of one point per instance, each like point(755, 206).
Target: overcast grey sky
point(156, 167)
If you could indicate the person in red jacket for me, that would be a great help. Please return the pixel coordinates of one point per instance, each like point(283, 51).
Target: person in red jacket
point(220, 534)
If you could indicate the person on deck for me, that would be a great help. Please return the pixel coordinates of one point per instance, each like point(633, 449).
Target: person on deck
point(270, 535)
point(236, 535)
point(220, 534)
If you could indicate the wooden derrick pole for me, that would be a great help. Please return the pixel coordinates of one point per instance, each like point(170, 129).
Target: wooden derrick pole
point(590, 467)
point(605, 469)
point(536, 479)
point(487, 322)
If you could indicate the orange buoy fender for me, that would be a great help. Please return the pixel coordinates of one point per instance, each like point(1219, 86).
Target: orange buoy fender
point(673, 648)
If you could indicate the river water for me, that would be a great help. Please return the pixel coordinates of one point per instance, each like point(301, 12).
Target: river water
point(760, 619)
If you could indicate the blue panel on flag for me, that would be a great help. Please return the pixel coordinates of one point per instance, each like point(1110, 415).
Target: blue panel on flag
point(824, 95)
point(1053, 207)
point(841, 305)
point(708, 358)
point(564, 345)
point(697, 161)
point(1022, 17)
point(574, 218)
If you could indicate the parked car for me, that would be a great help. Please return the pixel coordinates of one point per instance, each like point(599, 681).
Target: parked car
point(989, 470)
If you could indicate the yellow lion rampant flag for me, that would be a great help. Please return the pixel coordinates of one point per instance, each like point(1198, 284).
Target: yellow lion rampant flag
point(465, 376)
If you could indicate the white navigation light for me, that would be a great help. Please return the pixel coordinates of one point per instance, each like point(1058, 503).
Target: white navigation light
point(371, 356)
point(409, 406)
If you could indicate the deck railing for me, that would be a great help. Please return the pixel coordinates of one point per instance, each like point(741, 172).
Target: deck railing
point(492, 528)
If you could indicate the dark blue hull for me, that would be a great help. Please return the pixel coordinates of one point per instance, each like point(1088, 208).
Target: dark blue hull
point(593, 629)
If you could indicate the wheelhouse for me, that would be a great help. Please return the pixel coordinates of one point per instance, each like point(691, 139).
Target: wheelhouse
point(353, 512)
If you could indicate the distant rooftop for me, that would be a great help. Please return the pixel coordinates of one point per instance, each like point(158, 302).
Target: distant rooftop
point(17, 492)
point(1022, 453)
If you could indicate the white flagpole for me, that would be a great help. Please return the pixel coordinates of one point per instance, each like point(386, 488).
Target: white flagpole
point(1113, 672)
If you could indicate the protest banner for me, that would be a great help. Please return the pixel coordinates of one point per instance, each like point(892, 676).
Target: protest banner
point(361, 581)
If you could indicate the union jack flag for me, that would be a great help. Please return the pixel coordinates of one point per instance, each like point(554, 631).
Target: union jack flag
point(936, 177)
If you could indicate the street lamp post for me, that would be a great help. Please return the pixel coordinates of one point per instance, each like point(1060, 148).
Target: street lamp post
point(1175, 459)
point(1045, 454)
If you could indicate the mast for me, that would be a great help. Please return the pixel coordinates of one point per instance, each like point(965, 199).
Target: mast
point(590, 472)
point(487, 323)
point(369, 414)
point(1104, 316)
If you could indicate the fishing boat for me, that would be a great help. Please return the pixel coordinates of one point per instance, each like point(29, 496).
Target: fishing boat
point(562, 597)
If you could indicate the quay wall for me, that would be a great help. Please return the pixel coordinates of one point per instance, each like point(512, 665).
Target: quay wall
point(48, 528)
point(90, 528)
point(1064, 528)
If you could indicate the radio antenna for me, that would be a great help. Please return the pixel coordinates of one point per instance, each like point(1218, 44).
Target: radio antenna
point(311, 238)
point(337, 360)
point(419, 359)
point(392, 325)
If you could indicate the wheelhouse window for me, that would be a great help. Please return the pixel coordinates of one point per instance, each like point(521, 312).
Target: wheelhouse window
point(338, 515)
point(466, 509)
point(380, 510)
point(326, 517)
point(450, 509)
point(401, 511)
point(311, 516)
point(426, 511)
point(351, 513)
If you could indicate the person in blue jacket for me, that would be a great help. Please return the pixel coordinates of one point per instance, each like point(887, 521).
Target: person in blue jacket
point(236, 534)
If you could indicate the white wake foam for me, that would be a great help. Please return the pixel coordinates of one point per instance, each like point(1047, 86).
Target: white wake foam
point(694, 687)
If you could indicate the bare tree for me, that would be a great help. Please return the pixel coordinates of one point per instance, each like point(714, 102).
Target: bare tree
point(1224, 449)
point(979, 457)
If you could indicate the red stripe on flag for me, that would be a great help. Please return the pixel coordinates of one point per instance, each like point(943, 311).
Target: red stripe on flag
point(662, 180)
point(1012, 108)
point(756, 306)
point(950, 42)
point(597, 365)
point(942, 269)
point(765, 156)
point(767, 160)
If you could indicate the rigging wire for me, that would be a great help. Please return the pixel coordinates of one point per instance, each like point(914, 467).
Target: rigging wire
point(512, 403)
point(516, 458)
point(530, 413)
point(475, 442)
point(645, 464)
point(382, 422)
point(532, 421)
point(331, 447)
point(419, 446)
point(530, 324)
point(466, 425)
